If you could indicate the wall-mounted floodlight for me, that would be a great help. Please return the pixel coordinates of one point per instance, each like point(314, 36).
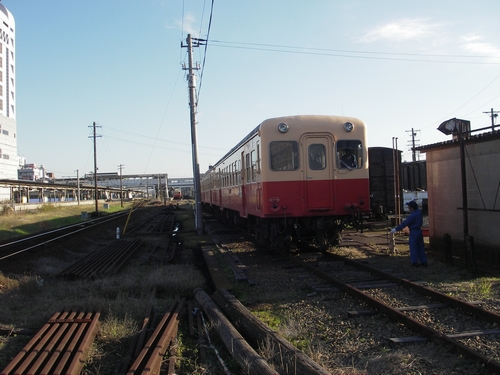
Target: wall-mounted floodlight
point(455, 126)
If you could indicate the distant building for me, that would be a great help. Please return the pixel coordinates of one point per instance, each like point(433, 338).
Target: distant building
point(9, 162)
point(30, 172)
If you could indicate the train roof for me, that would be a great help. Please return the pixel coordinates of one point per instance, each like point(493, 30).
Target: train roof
point(274, 120)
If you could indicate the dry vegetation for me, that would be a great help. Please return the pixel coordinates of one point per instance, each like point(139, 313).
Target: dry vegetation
point(29, 299)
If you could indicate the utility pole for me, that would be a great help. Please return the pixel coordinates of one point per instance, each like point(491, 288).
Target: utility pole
point(94, 136)
point(413, 141)
point(78, 187)
point(120, 167)
point(492, 114)
point(395, 163)
point(192, 105)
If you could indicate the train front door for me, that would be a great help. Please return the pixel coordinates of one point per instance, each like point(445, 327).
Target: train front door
point(317, 172)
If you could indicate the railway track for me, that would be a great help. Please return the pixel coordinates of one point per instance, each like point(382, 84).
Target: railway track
point(17, 247)
point(468, 328)
point(62, 344)
point(114, 256)
point(428, 313)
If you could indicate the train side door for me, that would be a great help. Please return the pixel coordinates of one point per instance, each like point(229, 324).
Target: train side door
point(318, 173)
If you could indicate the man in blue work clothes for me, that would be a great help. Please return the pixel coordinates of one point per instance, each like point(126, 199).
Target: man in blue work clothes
point(416, 241)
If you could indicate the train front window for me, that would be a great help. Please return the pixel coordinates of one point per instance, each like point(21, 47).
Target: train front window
point(349, 154)
point(317, 157)
point(284, 155)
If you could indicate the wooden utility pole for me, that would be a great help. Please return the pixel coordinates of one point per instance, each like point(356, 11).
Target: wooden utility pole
point(492, 114)
point(94, 136)
point(395, 164)
point(413, 143)
point(120, 167)
point(192, 105)
point(78, 187)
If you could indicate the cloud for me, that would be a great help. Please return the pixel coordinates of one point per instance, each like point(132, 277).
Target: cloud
point(186, 25)
point(473, 44)
point(405, 29)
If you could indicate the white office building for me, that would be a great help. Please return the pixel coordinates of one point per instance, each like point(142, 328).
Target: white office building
point(9, 162)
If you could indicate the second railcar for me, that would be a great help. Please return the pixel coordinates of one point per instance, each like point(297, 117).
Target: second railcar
point(295, 177)
point(177, 194)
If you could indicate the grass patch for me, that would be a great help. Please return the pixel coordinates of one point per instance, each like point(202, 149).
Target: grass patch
point(47, 217)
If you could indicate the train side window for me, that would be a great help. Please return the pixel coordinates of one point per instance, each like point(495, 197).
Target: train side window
point(247, 165)
point(349, 154)
point(284, 155)
point(234, 174)
point(317, 156)
point(254, 165)
point(258, 158)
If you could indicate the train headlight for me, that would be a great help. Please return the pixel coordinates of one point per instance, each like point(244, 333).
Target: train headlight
point(283, 128)
point(348, 126)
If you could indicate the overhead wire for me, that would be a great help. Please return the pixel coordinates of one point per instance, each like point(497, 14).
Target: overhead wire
point(153, 138)
point(343, 51)
point(364, 55)
point(162, 120)
point(468, 101)
point(348, 53)
point(205, 52)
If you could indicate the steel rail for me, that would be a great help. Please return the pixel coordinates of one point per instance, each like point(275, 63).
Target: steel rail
point(110, 259)
point(454, 302)
point(148, 361)
point(46, 234)
point(60, 347)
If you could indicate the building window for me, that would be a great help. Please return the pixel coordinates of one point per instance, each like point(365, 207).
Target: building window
point(5, 132)
point(5, 156)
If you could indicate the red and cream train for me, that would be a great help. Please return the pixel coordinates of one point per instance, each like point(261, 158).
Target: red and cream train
point(293, 178)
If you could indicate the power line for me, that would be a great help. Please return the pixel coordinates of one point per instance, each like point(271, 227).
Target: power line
point(349, 54)
point(348, 51)
point(205, 51)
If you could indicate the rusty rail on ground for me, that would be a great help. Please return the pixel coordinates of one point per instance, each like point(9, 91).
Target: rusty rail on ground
point(149, 360)
point(103, 261)
point(60, 347)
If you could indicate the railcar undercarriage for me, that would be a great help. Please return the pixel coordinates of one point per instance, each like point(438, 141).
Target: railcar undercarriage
point(283, 232)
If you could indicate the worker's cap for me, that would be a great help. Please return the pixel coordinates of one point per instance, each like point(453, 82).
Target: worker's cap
point(412, 204)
